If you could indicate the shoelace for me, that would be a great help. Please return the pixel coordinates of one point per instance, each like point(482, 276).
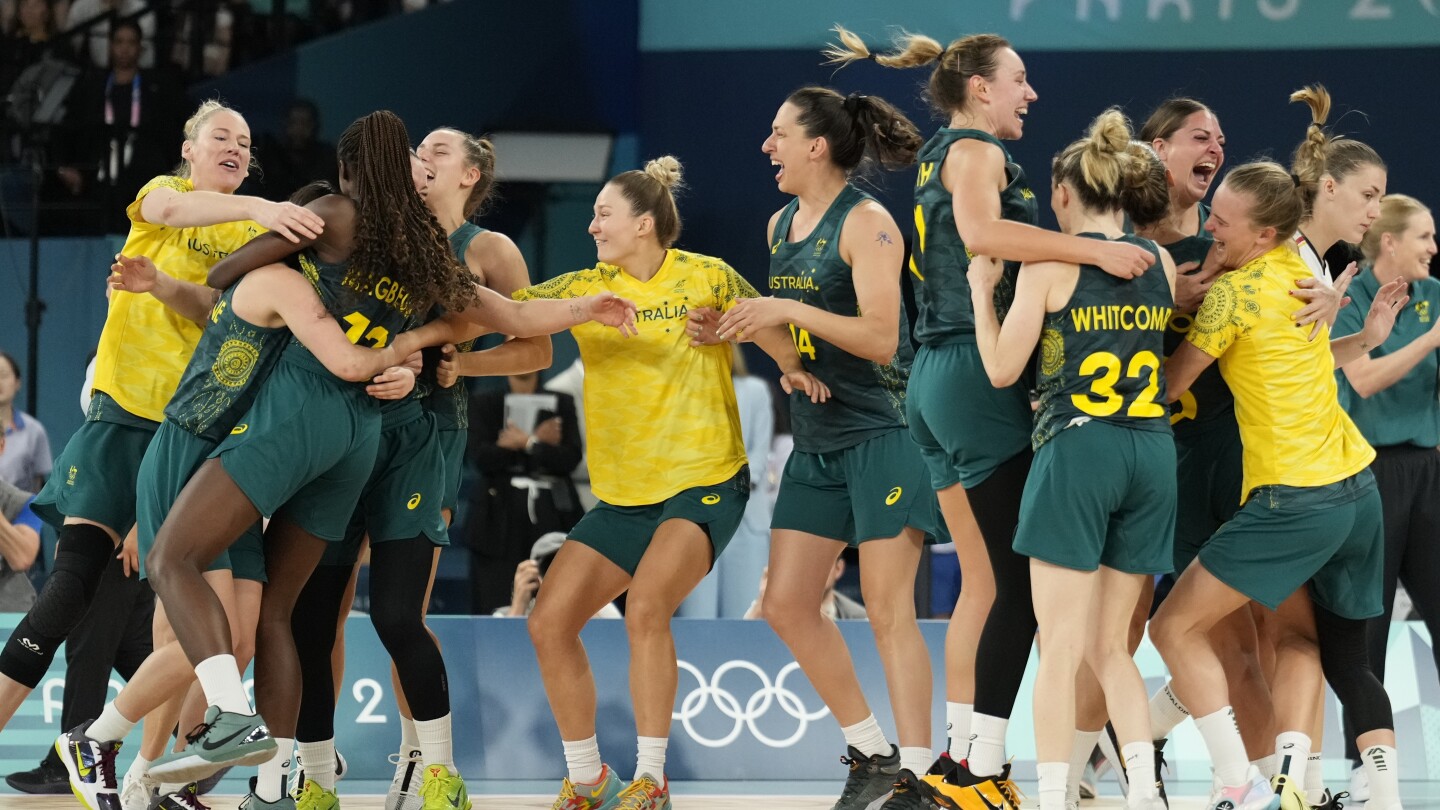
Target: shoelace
point(639, 794)
point(856, 780)
point(197, 732)
point(1335, 803)
point(434, 790)
point(107, 765)
point(190, 797)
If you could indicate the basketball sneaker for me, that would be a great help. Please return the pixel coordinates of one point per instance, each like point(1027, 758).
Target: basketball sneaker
point(253, 802)
point(1359, 785)
point(404, 791)
point(186, 798)
point(602, 794)
point(871, 779)
point(1253, 795)
point(297, 773)
point(91, 767)
point(645, 794)
point(225, 738)
point(138, 791)
point(315, 797)
point(443, 790)
point(910, 793)
point(1329, 801)
point(968, 791)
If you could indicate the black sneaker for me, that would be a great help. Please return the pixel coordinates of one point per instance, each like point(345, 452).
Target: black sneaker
point(186, 798)
point(1331, 801)
point(47, 778)
point(910, 793)
point(1159, 766)
point(871, 778)
point(208, 784)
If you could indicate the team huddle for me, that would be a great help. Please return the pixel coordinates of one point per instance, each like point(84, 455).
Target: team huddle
point(266, 407)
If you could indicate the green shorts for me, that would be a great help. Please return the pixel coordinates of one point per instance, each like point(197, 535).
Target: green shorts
point(305, 449)
point(171, 460)
point(623, 533)
point(1209, 474)
point(452, 447)
point(965, 426)
point(403, 496)
point(871, 491)
point(1101, 494)
point(1283, 537)
point(95, 476)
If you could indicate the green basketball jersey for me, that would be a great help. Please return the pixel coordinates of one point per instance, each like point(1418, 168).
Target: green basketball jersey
point(866, 398)
point(1209, 398)
point(1101, 356)
point(939, 258)
point(451, 406)
point(227, 369)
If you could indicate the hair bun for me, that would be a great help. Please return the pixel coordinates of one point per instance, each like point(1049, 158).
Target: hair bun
point(666, 171)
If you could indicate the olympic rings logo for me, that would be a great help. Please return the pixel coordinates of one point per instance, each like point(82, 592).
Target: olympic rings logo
point(755, 706)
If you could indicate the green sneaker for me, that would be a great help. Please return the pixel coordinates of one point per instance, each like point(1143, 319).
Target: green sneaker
point(443, 790)
point(604, 793)
point(225, 738)
point(253, 802)
point(315, 797)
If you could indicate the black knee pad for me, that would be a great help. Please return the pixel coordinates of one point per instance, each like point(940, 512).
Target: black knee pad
point(80, 561)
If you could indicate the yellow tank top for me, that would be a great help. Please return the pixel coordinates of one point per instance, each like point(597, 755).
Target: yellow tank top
point(145, 346)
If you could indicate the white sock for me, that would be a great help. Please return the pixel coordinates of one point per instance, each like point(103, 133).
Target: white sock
point(139, 768)
point(270, 784)
point(916, 760)
point(220, 678)
point(1166, 712)
point(1292, 754)
point(867, 738)
point(1266, 766)
point(582, 759)
point(1139, 758)
point(1053, 776)
point(957, 728)
point(409, 738)
point(435, 741)
point(1382, 766)
point(987, 744)
point(1315, 777)
point(650, 758)
point(319, 761)
point(1227, 750)
point(1080, 752)
point(110, 726)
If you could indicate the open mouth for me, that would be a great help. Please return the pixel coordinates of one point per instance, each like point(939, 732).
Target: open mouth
point(1203, 173)
point(1020, 115)
point(230, 164)
point(781, 173)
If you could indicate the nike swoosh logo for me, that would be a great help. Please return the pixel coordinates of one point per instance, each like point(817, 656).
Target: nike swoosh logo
point(84, 769)
point(208, 746)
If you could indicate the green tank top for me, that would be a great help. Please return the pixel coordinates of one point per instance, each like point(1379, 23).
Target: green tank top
point(229, 365)
point(866, 399)
point(1209, 401)
point(371, 320)
point(1101, 356)
point(451, 406)
point(939, 258)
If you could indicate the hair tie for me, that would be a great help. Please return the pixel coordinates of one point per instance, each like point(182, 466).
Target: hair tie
point(1295, 178)
point(852, 103)
point(872, 56)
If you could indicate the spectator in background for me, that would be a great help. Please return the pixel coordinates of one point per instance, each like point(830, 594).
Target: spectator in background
point(19, 545)
point(29, 32)
point(26, 460)
point(525, 488)
point(296, 157)
point(93, 44)
point(530, 572)
point(833, 604)
point(730, 587)
point(122, 128)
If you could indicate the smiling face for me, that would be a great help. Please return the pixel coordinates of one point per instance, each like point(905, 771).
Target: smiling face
point(1350, 206)
point(791, 151)
point(444, 152)
point(420, 174)
point(618, 232)
point(1409, 251)
point(1237, 239)
point(1193, 154)
point(1007, 95)
point(219, 156)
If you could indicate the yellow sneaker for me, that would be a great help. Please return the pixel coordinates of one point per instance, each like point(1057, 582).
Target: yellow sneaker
point(443, 790)
point(1291, 797)
point(604, 793)
point(314, 797)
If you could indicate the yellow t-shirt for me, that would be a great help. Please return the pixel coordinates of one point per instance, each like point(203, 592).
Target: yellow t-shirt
point(660, 415)
point(145, 346)
point(1291, 424)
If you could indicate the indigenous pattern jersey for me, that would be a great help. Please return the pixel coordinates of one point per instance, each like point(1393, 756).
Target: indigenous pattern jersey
point(145, 345)
point(226, 371)
point(1294, 431)
point(940, 258)
point(660, 415)
point(451, 406)
point(1209, 401)
point(1101, 356)
point(867, 399)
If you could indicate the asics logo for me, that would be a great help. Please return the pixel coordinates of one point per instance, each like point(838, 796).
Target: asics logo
point(238, 429)
point(894, 496)
point(747, 714)
point(413, 502)
point(710, 500)
point(29, 645)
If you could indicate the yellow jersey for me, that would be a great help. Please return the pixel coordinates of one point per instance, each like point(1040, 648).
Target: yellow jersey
point(145, 346)
point(1291, 423)
point(660, 415)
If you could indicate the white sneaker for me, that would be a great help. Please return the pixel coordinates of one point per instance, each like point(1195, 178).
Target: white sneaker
point(1359, 785)
point(405, 787)
point(91, 767)
point(139, 791)
point(297, 772)
point(1253, 795)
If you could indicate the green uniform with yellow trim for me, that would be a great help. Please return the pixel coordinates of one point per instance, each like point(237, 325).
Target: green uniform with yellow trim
point(1101, 490)
point(308, 443)
point(965, 427)
point(231, 363)
point(1207, 439)
point(855, 473)
point(451, 406)
point(142, 354)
